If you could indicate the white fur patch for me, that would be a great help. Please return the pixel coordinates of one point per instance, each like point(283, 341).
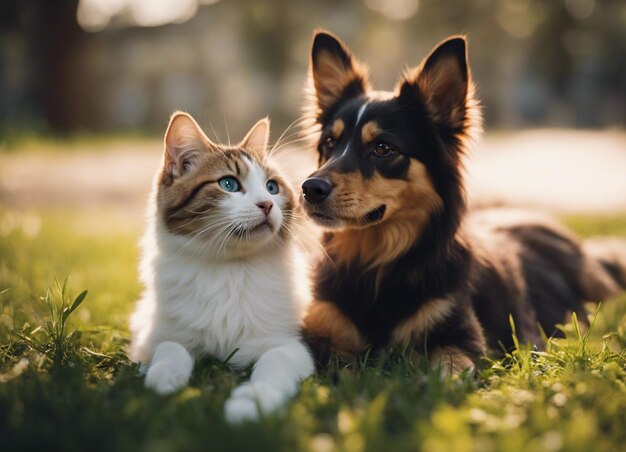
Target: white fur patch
point(360, 114)
point(170, 368)
point(211, 298)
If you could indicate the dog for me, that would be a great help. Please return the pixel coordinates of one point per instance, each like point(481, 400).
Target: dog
point(406, 266)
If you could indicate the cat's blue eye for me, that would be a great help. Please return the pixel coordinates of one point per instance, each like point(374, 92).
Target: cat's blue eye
point(272, 187)
point(229, 183)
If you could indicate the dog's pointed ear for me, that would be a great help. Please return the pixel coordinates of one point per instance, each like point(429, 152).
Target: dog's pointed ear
point(442, 81)
point(257, 138)
point(334, 72)
point(184, 141)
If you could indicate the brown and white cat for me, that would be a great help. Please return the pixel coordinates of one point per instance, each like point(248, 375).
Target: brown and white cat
point(220, 270)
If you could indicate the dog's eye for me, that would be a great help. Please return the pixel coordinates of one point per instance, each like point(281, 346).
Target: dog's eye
point(329, 144)
point(383, 150)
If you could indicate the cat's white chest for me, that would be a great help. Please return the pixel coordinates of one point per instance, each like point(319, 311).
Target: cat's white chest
point(216, 309)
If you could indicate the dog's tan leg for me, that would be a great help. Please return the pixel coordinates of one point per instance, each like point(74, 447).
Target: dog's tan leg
point(452, 360)
point(324, 320)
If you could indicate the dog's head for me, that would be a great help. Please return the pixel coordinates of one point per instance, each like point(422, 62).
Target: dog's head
point(388, 157)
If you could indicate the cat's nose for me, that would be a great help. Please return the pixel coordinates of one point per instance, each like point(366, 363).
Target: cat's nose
point(266, 206)
point(316, 189)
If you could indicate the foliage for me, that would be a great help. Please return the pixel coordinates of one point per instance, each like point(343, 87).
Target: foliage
point(66, 383)
point(52, 338)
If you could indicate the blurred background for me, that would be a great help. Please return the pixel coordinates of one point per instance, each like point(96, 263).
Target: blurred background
point(70, 66)
point(87, 86)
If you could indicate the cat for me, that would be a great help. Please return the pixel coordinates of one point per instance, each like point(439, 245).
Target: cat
point(220, 269)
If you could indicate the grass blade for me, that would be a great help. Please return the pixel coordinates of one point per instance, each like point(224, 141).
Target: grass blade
point(229, 357)
point(77, 302)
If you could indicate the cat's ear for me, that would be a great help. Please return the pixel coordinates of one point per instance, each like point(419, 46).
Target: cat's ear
point(257, 139)
point(184, 142)
point(442, 81)
point(334, 73)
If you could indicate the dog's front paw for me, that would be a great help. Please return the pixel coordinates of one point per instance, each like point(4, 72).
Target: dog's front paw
point(451, 361)
point(246, 400)
point(165, 379)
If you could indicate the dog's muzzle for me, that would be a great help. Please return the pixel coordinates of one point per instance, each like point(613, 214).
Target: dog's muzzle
point(316, 189)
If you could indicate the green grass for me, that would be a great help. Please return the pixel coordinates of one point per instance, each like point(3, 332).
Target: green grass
point(71, 387)
point(604, 224)
point(32, 142)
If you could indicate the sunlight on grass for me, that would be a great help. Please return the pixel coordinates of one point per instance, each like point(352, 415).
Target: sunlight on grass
point(586, 225)
point(33, 143)
point(37, 247)
point(572, 396)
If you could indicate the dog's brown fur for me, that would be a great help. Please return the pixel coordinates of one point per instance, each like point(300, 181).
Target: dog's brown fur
point(406, 266)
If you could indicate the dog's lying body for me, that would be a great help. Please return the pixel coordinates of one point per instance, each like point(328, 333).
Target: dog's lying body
point(405, 266)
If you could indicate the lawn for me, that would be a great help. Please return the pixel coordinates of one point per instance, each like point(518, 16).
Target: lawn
point(76, 390)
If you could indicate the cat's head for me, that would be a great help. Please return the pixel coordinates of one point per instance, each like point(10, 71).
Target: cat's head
point(222, 201)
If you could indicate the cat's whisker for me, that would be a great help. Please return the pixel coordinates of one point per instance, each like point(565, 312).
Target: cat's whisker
point(189, 242)
point(225, 221)
point(219, 234)
point(213, 224)
point(215, 133)
point(189, 239)
point(318, 245)
point(226, 125)
point(304, 246)
point(231, 230)
point(201, 212)
point(222, 225)
point(295, 122)
point(217, 237)
point(282, 140)
point(303, 227)
point(200, 218)
point(289, 139)
point(296, 234)
point(285, 146)
point(228, 237)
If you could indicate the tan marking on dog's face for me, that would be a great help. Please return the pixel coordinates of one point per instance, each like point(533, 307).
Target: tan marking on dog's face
point(420, 323)
point(369, 132)
point(324, 319)
point(337, 128)
point(410, 204)
point(452, 360)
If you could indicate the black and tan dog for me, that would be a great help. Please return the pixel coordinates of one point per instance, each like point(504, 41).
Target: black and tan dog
point(406, 266)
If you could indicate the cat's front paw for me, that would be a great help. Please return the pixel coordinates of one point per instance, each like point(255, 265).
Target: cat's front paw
point(246, 400)
point(165, 379)
point(237, 410)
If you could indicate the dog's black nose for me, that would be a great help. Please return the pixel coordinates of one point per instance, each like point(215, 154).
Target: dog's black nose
point(316, 189)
